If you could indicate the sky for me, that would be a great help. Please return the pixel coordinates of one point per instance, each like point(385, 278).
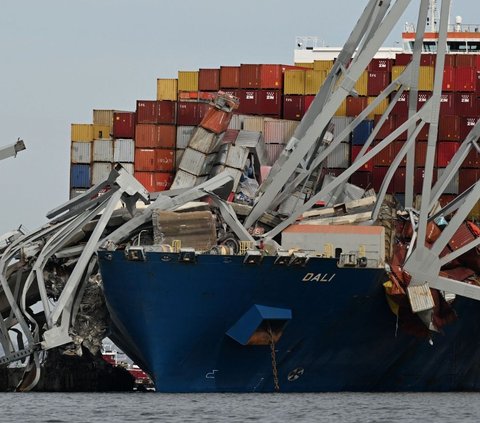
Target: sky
point(62, 59)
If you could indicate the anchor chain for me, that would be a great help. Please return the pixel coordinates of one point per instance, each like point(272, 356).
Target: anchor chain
point(274, 360)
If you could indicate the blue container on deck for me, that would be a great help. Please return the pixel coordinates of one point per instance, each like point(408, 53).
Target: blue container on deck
point(362, 132)
point(80, 176)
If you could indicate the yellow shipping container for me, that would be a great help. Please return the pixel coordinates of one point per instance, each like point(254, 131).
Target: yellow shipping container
point(187, 80)
point(475, 213)
point(82, 132)
point(325, 65)
point(342, 110)
point(314, 79)
point(102, 132)
point(103, 117)
point(425, 78)
point(305, 65)
point(380, 109)
point(361, 86)
point(294, 82)
point(167, 89)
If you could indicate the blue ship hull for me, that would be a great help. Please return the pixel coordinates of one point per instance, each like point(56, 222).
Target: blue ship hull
point(187, 325)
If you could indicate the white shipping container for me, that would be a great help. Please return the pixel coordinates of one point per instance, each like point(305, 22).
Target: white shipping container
point(248, 138)
point(178, 157)
point(236, 122)
point(196, 163)
point(81, 152)
point(185, 180)
point(339, 157)
point(232, 156)
point(453, 186)
point(100, 172)
point(128, 167)
point(273, 152)
point(184, 133)
point(278, 131)
point(103, 151)
point(235, 173)
point(204, 141)
point(254, 123)
point(339, 124)
point(124, 150)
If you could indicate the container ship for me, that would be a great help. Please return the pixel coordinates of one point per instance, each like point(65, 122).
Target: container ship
point(307, 228)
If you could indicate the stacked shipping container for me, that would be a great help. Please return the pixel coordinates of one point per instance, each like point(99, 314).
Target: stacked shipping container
point(273, 98)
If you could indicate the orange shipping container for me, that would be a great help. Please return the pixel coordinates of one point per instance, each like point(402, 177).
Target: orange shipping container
point(229, 76)
point(144, 159)
point(155, 136)
point(164, 160)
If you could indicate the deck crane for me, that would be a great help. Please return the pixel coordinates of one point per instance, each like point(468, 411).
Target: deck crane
point(300, 162)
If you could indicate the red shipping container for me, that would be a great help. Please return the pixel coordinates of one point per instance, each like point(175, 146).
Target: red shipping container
point(308, 100)
point(420, 153)
point(466, 61)
point(271, 76)
point(472, 160)
point(466, 80)
point(378, 175)
point(428, 59)
point(387, 128)
point(355, 150)
point(155, 136)
point(355, 105)
point(445, 151)
point(229, 77)
point(450, 61)
point(466, 178)
point(188, 113)
point(447, 104)
point(400, 108)
point(449, 128)
point(144, 159)
point(216, 120)
point(423, 97)
point(466, 125)
point(164, 160)
point(466, 104)
point(419, 177)
point(162, 181)
point(146, 111)
point(402, 59)
point(448, 82)
point(380, 65)
point(293, 107)
point(396, 147)
point(399, 180)
point(362, 179)
point(230, 136)
point(377, 82)
point(269, 102)
point(248, 102)
point(250, 76)
point(146, 179)
point(385, 156)
point(124, 124)
point(166, 111)
point(208, 79)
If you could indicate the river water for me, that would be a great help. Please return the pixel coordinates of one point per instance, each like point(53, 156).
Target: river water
point(181, 408)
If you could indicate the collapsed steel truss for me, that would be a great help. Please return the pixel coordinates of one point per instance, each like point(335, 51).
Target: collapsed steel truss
point(304, 155)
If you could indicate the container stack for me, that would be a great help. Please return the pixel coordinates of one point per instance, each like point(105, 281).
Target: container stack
point(155, 141)
point(273, 99)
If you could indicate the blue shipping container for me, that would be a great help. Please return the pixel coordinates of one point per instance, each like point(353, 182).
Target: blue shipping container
point(80, 176)
point(362, 132)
